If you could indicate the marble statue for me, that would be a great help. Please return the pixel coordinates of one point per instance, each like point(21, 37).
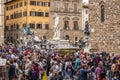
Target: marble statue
point(56, 28)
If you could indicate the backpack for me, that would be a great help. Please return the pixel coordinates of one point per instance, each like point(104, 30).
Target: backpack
point(102, 73)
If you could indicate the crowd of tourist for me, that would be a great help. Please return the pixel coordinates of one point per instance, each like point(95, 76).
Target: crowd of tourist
point(27, 63)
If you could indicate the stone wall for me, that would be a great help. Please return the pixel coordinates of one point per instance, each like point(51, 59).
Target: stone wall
point(1, 22)
point(106, 35)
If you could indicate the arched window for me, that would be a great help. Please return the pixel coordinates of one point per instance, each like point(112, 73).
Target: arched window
point(66, 25)
point(102, 13)
point(75, 25)
point(67, 37)
point(17, 27)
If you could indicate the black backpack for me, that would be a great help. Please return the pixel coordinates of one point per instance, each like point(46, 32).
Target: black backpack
point(103, 73)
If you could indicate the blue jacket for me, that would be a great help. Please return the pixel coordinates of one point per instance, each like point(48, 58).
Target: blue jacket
point(77, 63)
point(83, 74)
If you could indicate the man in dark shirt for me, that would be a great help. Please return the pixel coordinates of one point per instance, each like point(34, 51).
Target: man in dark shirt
point(11, 72)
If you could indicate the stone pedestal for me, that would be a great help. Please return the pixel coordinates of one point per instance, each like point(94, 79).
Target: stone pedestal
point(60, 44)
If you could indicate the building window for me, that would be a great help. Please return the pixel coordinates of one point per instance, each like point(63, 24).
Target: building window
point(76, 39)
point(20, 14)
point(11, 27)
point(17, 27)
point(102, 13)
point(39, 3)
point(24, 25)
point(33, 3)
point(25, 2)
point(7, 17)
point(66, 25)
point(14, 27)
point(16, 5)
point(46, 4)
point(7, 8)
point(56, 5)
point(11, 16)
point(11, 6)
point(49, 4)
point(65, 7)
point(40, 14)
point(25, 13)
point(46, 14)
point(17, 15)
point(67, 37)
point(21, 4)
point(46, 26)
point(39, 26)
point(32, 25)
point(75, 7)
point(75, 24)
point(14, 15)
point(32, 13)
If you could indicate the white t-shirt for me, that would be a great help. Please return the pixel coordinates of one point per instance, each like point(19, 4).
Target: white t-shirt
point(16, 65)
point(12, 56)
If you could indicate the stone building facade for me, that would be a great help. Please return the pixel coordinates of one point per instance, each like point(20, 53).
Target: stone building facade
point(1, 22)
point(70, 13)
point(104, 21)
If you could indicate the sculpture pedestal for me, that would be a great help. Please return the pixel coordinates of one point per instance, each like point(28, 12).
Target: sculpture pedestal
point(60, 44)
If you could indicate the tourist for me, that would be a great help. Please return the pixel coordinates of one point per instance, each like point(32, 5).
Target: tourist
point(77, 62)
point(11, 72)
point(83, 71)
point(100, 72)
point(40, 64)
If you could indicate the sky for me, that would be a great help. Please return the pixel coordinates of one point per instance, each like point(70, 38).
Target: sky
point(85, 1)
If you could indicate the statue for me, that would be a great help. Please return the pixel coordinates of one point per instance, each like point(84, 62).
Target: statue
point(81, 43)
point(43, 41)
point(26, 31)
point(86, 29)
point(56, 28)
